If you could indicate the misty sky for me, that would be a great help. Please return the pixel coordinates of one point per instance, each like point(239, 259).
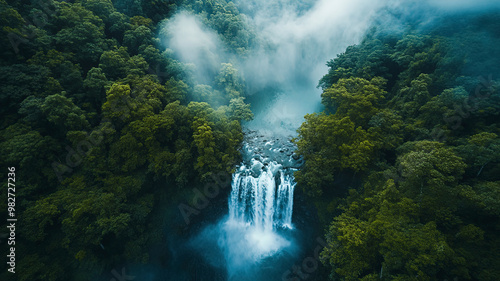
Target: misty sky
point(296, 38)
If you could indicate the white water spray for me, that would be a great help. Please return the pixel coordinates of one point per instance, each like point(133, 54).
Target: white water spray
point(260, 204)
point(255, 201)
point(281, 71)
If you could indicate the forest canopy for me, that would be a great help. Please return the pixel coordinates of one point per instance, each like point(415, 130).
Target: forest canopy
point(108, 130)
point(411, 119)
point(100, 121)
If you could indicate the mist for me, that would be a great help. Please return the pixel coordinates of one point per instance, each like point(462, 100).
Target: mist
point(194, 44)
point(464, 5)
point(282, 70)
point(294, 42)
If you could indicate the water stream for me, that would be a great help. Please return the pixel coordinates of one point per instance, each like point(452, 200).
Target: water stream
point(259, 225)
point(261, 236)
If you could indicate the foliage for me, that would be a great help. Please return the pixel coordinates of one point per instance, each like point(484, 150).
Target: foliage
point(104, 129)
point(425, 148)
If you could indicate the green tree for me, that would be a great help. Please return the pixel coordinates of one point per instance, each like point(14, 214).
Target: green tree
point(13, 36)
point(482, 149)
point(239, 110)
point(118, 25)
point(79, 31)
point(368, 60)
point(386, 129)
point(357, 98)
point(380, 237)
point(95, 85)
point(18, 81)
point(62, 112)
point(67, 73)
point(102, 9)
point(410, 99)
point(115, 63)
point(230, 81)
point(135, 38)
point(330, 144)
point(430, 174)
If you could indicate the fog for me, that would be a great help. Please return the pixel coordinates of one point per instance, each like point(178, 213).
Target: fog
point(464, 5)
point(194, 44)
point(294, 41)
point(282, 71)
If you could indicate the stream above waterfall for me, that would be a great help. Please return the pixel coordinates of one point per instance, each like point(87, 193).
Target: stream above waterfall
point(258, 230)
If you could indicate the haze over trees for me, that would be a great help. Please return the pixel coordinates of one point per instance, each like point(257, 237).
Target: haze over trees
point(410, 120)
point(101, 123)
point(109, 131)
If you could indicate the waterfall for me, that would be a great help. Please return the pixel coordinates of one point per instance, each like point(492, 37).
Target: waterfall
point(255, 200)
point(285, 200)
point(260, 220)
point(257, 233)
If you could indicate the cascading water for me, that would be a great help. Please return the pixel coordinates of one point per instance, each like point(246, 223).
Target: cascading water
point(256, 201)
point(260, 204)
point(284, 206)
point(256, 240)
